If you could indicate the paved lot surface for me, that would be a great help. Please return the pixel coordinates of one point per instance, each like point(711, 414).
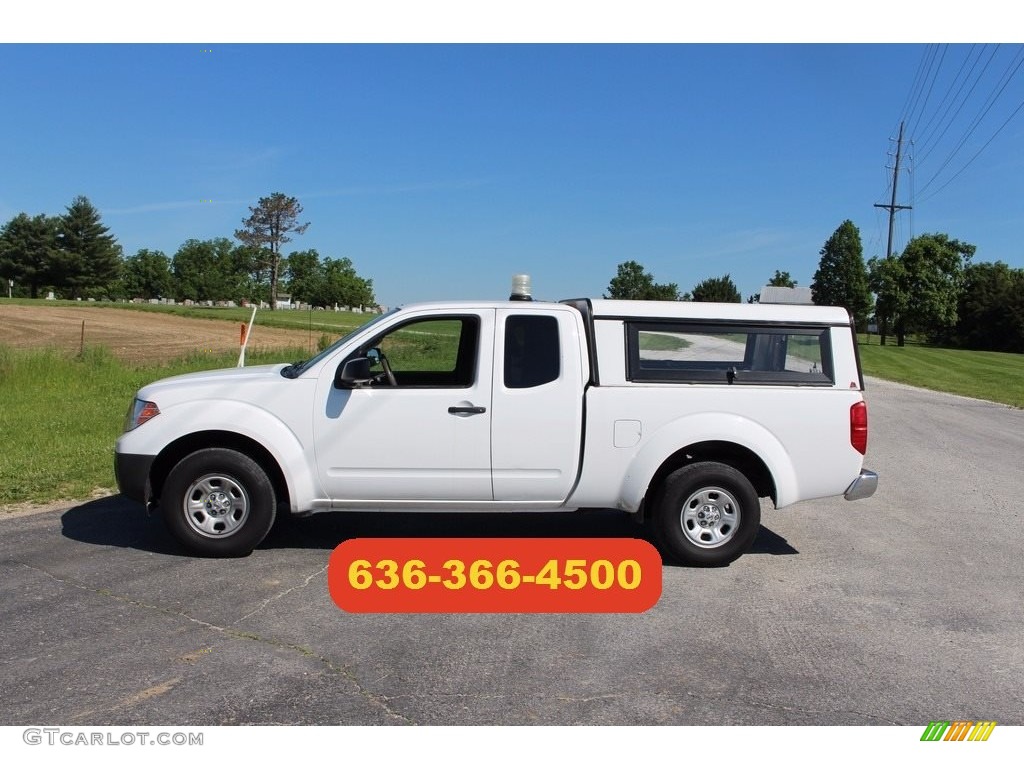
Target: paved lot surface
point(899, 609)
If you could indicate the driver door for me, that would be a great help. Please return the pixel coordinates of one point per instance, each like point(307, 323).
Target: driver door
point(426, 435)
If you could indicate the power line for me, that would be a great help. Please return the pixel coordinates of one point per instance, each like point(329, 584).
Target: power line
point(964, 168)
point(1008, 75)
point(946, 97)
point(917, 85)
point(926, 152)
point(931, 84)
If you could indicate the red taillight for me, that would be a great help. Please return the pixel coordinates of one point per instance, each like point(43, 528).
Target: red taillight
point(859, 426)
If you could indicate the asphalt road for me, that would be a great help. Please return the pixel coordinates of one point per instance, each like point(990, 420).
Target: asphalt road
point(900, 609)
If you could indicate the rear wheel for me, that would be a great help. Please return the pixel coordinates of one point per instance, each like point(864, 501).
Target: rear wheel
point(218, 502)
point(706, 514)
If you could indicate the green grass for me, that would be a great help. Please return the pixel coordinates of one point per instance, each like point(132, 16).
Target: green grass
point(431, 345)
point(996, 376)
point(60, 416)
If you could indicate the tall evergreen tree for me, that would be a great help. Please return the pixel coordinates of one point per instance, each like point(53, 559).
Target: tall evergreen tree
point(842, 277)
point(88, 258)
point(27, 246)
point(268, 227)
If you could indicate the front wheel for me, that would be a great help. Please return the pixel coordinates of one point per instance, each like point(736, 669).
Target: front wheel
point(706, 514)
point(218, 502)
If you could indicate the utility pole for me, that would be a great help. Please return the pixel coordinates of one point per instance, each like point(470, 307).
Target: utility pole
point(883, 322)
point(892, 207)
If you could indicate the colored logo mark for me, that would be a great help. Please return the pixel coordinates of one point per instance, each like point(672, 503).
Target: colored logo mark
point(958, 730)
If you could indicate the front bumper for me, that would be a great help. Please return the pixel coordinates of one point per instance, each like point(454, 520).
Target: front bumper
point(132, 473)
point(863, 487)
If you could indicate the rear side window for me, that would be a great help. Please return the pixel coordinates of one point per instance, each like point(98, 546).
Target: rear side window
point(532, 353)
point(740, 354)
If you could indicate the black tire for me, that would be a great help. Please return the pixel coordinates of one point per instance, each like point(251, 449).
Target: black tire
point(218, 502)
point(707, 514)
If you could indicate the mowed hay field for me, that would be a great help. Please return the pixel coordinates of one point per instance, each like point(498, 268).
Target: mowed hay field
point(63, 405)
point(137, 337)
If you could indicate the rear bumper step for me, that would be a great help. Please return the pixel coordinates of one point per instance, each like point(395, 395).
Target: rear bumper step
point(863, 487)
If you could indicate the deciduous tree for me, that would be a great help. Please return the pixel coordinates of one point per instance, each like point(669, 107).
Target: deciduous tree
point(631, 281)
point(717, 289)
point(990, 313)
point(779, 280)
point(304, 275)
point(147, 275)
point(886, 278)
point(344, 287)
point(933, 273)
point(205, 270)
point(782, 280)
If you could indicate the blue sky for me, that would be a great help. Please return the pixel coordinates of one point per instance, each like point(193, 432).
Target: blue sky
point(442, 170)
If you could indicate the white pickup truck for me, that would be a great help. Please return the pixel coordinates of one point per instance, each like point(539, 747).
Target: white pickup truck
point(681, 414)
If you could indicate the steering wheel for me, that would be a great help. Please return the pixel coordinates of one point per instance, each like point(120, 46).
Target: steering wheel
point(387, 370)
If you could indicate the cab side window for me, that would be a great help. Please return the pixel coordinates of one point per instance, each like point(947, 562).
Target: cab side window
point(432, 352)
point(532, 353)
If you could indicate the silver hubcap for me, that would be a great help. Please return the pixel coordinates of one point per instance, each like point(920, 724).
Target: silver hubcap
point(216, 506)
point(710, 517)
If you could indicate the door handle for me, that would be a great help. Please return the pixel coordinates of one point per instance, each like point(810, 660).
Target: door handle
point(467, 410)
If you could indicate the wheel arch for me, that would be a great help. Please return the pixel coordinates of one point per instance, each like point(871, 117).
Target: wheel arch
point(185, 445)
point(737, 456)
point(727, 438)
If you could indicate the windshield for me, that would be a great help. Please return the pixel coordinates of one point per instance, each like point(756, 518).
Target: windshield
point(296, 369)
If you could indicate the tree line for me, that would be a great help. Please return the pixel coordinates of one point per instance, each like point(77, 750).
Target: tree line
point(633, 282)
point(75, 256)
point(932, 289)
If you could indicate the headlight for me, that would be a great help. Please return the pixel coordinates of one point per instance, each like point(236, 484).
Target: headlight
point(139, 413)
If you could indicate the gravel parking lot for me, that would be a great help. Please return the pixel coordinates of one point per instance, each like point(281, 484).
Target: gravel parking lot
point(899, 609)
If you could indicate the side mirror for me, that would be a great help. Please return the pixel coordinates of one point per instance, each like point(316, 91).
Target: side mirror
point(353, 373)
